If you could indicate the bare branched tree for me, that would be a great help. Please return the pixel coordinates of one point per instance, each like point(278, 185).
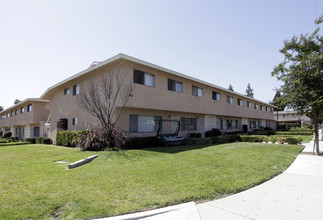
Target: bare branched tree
point(105, 98)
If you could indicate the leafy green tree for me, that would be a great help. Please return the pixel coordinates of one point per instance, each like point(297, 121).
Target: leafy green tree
point(230, 88)
point(249, 91)
point(17, 101)
point(302, 75)
point(278, 101)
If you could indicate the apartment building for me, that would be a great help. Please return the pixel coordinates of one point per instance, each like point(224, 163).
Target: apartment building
point(291, 116)
point(26, 119)
point(158, 93)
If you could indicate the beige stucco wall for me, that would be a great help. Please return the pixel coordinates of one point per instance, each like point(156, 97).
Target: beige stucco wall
point(157, 101)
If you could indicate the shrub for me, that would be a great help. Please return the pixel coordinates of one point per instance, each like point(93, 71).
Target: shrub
point(294, 133)
point(199, 141)
point(7, 134)
point(68, 138)
point(308, 126)
point(254, 138)
point(1, 133)
point(195, 135)
point(292, 140)
point(39, 140)
point(47, 141)
point(97, 140)
point(3, 141)
point(273, 139)
point(268, 133)
point(213, 133)
point(143, 142)
point(281, 140)
point(225, 139)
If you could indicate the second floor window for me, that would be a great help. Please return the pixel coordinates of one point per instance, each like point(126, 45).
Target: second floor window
point(256, 106)
point(175, 86)
point(249, 105)
point(196, 91)
point(22, 110)
point(216, 96)
point(143, 78)
point(67, 91)
point(29, 108)
point(16, 112)
point(74, 121)
point(240, 102)
point(230, 99)
point(76, 89)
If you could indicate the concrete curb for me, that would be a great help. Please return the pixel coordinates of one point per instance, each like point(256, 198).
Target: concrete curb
point(82, 162)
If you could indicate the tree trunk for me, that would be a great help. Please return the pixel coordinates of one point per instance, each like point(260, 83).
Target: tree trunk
point(316, 134)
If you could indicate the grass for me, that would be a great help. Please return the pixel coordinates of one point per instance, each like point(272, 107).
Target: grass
point(32, 186)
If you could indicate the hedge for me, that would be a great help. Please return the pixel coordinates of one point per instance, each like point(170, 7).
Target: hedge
point(68, 138)
point(294, 133)
point(253, 138)
point(30, 140)
point(212, 140)
point(13, 143)
point(293, 140)
point(143, 142)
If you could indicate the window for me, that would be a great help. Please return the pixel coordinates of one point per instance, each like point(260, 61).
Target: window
point(76, 89)
point(74, 121)
point(36, 131)
point(189, 124)
point(16, 112)
point(216, 96)
point(11, 113)
point(271, 110)
point(143, 123)
point(240, 102)
point(29, 108)
point(143, 78)
point(230, 99)
point(22, 110)
point(267, 109)
point(256, 106)
point(196, 91)
point(175, 86)
point(261, 107)
point(223, 124)
point(19, 132)
point(268, 124)
point(8, 115)
point(67, 91)
point(249, 105)
point(229, 124)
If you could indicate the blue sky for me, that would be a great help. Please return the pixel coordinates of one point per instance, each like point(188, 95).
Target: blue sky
point(221, 42)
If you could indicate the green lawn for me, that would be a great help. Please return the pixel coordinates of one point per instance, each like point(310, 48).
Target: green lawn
point(33, 187)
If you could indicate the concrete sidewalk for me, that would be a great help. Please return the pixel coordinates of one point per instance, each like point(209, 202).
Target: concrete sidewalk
point(295, 194)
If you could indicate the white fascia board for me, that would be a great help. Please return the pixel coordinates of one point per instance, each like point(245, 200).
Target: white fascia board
point(145, 63)
point(24, 101)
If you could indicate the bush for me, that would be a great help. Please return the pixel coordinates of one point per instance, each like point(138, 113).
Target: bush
point(281, 140)
point(47, 141)
point(143, 142)
point(7, 134)
point(195, 135)
point(3, 141)
point(68, 138)
point(292, 140)
point(254, 138)
point(39, 140)
point(1, 133)
point(98, 139)
point(213, 133)
point(268, 133)
point(308, 126)
point(30, 140)
point(294, 133)
point(287, 126)
point(273, 139)
point(225, 139)
point(199, 141)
